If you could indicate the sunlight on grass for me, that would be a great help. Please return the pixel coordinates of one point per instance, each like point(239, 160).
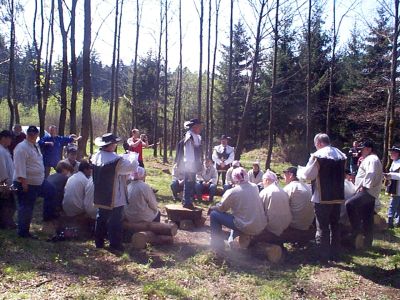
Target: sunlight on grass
point(163, 288)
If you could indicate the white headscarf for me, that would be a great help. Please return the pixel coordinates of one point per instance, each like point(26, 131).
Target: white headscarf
point(239, 175)
point(139, 174)
point(270, 176)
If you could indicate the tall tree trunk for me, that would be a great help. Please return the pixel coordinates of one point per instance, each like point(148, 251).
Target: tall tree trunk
point(308, 83)
point(74, 71)
point(11, 67)
point(207, 140)
point(180, 72)
point(390, 114)
point(174, 118)
point(64, 75)
point(217, 6)
point(87, 84)
point(115, 127)
point(250, 90)
point(112, 88)
point(331, 73)
point(165, 135)
point(273, 89)
point(134, 79)
point(200, 81)
point(227, 129)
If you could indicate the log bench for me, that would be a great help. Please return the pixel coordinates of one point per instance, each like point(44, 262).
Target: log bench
point(184, 217)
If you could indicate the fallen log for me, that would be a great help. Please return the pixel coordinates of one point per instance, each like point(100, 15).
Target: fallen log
point(141, 239)
point(170, 229)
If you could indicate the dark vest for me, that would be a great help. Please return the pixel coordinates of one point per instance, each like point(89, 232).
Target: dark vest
point(103, 179)
point(391, 186)
point(331, 181)
point(223, 155)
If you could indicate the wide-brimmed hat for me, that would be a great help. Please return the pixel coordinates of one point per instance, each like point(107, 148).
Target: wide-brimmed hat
point(107, 139)
point(366, 144)
point(192, 122)
point(394, 149)
point(225, 137)
point(292, 170)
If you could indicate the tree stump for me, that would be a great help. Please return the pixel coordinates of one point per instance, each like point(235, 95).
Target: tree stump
point(186, 224)
point(273, 253)
point(177, 213)
point(200, 222)
point(141, 239)
point(170, 229)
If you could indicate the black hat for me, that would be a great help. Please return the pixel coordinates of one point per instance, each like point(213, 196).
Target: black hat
point(32, 129)
point(5, 134)
point(292, 170)
point(192, 122)
point(107, 139)
point(367, 143)
point(71, 148)
point(394, 149)
point(225, 137)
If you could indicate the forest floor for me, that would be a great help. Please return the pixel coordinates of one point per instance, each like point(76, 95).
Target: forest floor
point(188, 269)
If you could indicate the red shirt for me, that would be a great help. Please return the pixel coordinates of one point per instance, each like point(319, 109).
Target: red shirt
point(138, 149)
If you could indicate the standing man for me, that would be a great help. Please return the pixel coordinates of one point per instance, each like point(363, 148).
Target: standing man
point(325, 169)
point(136, 143)
point(30, 182)
point(52, 146)
point(393, 189)
point(189, 157)
point(17, 137)
point(223, 156)
point(360, 207)
point(110, 174)
point(7, 203)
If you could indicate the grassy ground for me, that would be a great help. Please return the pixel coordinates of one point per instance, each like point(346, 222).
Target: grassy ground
point(188, 269)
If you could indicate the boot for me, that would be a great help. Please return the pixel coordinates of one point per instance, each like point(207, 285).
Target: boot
point(390, 222)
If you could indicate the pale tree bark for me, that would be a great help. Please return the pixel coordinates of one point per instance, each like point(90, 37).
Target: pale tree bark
point(390, 121)
point(134, 79)
point(64, 74)
point(200, 81)
point(180, 72)
point(112, 88)
point(115, 127)
point(273, 89)
point(217, 6)
point(172, 140)
point(74, 71)
point(87, 84)
point(227, 110)
point(207, 140)
point(250, 89)
point(308, 83)
point(165, 135)
point(11, 67)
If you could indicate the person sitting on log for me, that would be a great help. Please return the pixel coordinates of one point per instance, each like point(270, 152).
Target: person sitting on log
point(223, 156)
point(142, 203)
point(300, 203)
point(247, 214)
point(207, 181)
point(229, 181)
point(256, 174)
point(59, 180)
point(72, 154)
point(177, 182)
point(74, 194)
point(276, 209)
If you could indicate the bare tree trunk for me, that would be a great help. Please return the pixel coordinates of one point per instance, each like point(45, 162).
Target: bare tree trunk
point(217, 6)
point(227, 107)
point(200, 83)
point(11, 67)
point(112, 89)
point(134, 79)
point(87, 84)
point(165, 135)
point(308, 93)
point(250, 90)
point(331, 73)
point(207, 140)
point(391, 122)
point(180, 72)
point(273, 89)
point(115, 127)
point(74, 71)
point(64, 75)
point(174, 118)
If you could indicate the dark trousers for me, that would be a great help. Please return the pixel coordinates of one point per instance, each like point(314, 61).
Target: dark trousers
point(189, 188)
point(328, 229)
point(26, 203)
point(360, 209)
point(7, 211)
point(109, 223)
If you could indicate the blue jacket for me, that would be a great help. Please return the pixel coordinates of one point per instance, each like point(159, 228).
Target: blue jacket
point(52, 154)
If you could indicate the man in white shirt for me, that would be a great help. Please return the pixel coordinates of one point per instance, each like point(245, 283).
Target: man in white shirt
point(110, 174)
point(223, 156)
point(256, 174)
point(178, 179)
point(229, 181)
point(325, 169)
point(360, 207)
point(142, 203)
point(74, 193)
point(207, 181)
point(7, 202)
point(393, 189)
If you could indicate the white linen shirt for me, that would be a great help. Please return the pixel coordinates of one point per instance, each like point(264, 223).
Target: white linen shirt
point(369, 175)
point(276, 208)
point(256, 179)
point(188, 149)
point(300, 204)
point(6, 166)
point(122, 170)
point(142, 203)
point(28, 163)
point(394, 173)
point(219, 149)
point(208, 174)
point(88, 201)
point(74, 194)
